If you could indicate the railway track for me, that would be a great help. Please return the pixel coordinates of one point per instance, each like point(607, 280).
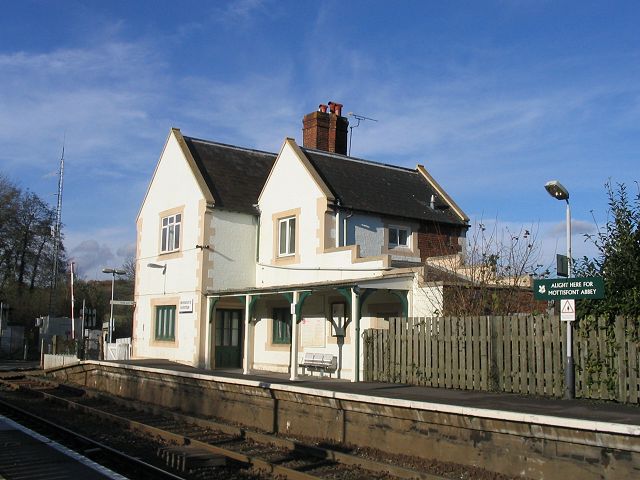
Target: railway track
point(190, 447)
point(99, 452)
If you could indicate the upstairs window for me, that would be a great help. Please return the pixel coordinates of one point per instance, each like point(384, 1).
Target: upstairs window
point(398, 237)
point(287, 236)
point(171, 233)
point(281, 326)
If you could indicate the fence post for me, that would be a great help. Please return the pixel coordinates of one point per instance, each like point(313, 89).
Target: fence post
point(494, 374)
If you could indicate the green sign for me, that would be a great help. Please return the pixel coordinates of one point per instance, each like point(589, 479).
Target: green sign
point(557, 288)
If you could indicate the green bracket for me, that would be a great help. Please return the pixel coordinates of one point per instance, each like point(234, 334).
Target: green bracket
point(212, 306)
point(252, 302)
point(346, 293)
point(288, 296)
point(402, 296)
point(366, 292)
point(301, 298)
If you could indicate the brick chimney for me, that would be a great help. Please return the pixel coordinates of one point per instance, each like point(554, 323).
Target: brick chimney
point(324, 130)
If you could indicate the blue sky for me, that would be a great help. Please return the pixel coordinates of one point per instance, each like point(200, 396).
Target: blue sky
point(494, 98)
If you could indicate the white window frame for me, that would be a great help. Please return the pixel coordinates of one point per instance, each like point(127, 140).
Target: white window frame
point(289, 241)
point(397, 229)
point(170, 233)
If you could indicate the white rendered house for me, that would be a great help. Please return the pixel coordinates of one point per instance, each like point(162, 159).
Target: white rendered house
point(248, 259)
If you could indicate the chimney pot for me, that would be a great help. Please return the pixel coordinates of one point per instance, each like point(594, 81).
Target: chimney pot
point(326, 131)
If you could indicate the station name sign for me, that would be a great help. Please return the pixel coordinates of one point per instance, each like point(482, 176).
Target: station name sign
point(579, 287)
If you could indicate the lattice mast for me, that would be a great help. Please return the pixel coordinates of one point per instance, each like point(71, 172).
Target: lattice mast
point(56, 232)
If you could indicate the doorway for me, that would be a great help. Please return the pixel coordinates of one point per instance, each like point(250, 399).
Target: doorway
point(228, 339)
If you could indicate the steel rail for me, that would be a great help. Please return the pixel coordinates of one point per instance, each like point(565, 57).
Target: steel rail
point(319, 452)
point(119, 456)
point(256, 462)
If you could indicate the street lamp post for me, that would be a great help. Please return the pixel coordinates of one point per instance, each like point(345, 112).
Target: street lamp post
point(164, 274)
point(559, 192)
point(113, 272)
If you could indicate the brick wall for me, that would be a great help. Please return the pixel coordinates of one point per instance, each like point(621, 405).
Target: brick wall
point(432, 244)
point(325, 131)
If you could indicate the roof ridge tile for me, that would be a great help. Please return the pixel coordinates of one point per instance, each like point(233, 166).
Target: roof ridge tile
point(227, 145)
point(360, 160)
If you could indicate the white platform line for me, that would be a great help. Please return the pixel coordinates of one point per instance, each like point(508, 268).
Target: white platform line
point(64, 450)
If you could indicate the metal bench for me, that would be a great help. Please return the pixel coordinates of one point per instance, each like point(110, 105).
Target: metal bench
point(319, 362)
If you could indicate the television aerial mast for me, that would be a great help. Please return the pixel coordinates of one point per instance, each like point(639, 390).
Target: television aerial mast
point(56, 232)
point(351, 127)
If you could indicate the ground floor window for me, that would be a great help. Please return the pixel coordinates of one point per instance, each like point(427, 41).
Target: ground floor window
point(281, 326)
point(165, 322)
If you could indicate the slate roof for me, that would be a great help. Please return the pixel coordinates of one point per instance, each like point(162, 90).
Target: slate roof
point(379, 188)
point(235, 176)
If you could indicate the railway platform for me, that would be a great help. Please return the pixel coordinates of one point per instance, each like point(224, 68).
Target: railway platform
point(571, 413)
point(26, 454)
point(517, 435)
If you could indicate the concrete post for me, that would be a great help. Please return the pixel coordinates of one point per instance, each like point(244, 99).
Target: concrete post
point(207, 344)
point(294, 338)
point(355, 315)
point(246, 358)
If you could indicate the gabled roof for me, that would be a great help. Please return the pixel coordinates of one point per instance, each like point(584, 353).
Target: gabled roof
point(380, 188)
point(235, 176)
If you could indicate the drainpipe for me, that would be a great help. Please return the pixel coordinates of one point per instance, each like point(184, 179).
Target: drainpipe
point(355, 315)
point(344, 228)
point(257, 220)
point(337, 227)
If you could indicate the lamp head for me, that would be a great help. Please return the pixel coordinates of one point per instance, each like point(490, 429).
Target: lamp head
point(114, 271)
point(157, 265)
point(557, 190)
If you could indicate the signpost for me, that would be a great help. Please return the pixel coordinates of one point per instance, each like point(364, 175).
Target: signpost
point(567, 310)
point(562, 265)
point(567, 290)
point(575, 288)
point(123, 302)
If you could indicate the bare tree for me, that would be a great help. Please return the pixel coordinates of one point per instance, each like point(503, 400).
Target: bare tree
point(26, 251)
point(129, 266)
point(492, 275)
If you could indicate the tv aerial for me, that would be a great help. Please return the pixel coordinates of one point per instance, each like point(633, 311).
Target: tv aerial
point(351, 127)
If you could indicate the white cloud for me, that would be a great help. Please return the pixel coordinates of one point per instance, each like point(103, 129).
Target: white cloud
point(126, 251)
point(90, 96)
point(480, 125)
point(90, 257)
point(256, 111)
point(578, 227)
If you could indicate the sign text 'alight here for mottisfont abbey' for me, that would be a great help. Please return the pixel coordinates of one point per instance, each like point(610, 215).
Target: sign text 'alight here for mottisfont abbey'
point(579, 287)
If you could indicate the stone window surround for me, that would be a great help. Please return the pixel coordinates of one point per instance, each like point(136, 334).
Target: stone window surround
point(160, 302)
point(275, 219)
point(167, 213)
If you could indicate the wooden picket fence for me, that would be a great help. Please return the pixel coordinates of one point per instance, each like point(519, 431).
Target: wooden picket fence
point(518, 354)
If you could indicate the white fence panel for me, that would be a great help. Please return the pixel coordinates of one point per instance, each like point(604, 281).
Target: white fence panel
point(54, 361)
point(120, 350)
